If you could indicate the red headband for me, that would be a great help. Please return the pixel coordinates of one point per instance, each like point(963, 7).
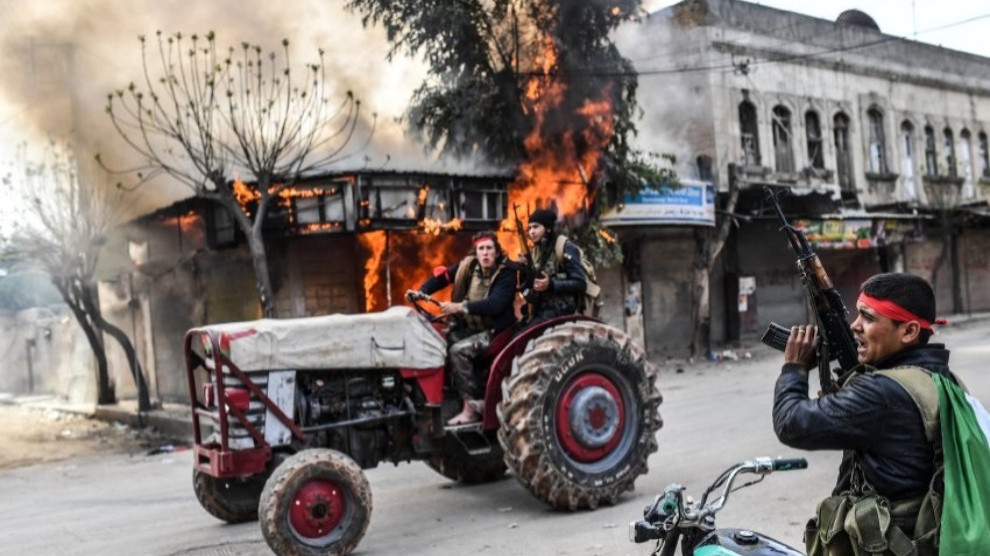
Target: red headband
point(895, 312)
point(483, 238)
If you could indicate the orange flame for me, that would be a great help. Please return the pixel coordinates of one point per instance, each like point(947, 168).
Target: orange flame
point(411, 256)
point(556, 171)
point(434, 227)
point(374, 242)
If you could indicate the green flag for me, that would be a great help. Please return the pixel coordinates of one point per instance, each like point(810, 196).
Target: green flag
point(965, 529)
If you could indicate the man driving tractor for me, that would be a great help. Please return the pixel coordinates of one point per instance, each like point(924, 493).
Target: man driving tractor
point(481, 302)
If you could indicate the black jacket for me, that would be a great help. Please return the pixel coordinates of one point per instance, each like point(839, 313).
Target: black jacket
point(872, 415)
point(567, 277)
point(498, 303)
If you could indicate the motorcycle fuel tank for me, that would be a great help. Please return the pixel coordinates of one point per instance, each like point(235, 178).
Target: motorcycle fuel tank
point(742, 542)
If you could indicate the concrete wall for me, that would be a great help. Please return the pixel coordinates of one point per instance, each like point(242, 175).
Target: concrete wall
point(677, 107)
point(666, 265)
point(920, 259)
point(614, 292)
point(61, 362)
point(975, 258)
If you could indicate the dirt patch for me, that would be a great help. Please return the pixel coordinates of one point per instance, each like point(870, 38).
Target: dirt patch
point(29, 436)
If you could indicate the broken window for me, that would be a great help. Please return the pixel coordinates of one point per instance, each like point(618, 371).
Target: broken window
point(878, 147)
point(931, 159)
point(319, 206)
point(843, 156)
point(783, 152)
point(907, 161)
point(813, 130)
point(950, 152)
point(397, 197)
point(221, 230)
point(476, 203)
point(750, 136)
point(984, 156)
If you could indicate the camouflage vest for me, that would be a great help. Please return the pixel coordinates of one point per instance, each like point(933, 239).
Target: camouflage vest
point(471, 284)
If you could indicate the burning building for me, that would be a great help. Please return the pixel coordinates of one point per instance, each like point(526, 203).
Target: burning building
point(338, 243)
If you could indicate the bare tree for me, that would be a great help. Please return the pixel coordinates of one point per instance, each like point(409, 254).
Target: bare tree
point(205, 117)
point(63, 230)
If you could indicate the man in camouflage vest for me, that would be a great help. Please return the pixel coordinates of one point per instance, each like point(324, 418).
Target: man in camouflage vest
point(481, 304)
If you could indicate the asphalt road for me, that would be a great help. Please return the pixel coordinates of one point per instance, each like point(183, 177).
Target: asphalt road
point(714, 415)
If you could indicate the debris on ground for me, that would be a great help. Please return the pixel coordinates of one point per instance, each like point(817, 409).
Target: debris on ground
point(33, 435)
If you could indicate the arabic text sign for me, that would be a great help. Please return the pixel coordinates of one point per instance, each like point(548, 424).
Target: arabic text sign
point(692, 203)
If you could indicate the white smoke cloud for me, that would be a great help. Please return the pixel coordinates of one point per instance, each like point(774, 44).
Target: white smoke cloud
point(62, 57)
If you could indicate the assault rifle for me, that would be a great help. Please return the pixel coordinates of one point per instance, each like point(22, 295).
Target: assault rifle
point(836, 338)
point(534, 268)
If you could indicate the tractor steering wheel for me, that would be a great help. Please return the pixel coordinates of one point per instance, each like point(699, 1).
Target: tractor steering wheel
point(419, 300)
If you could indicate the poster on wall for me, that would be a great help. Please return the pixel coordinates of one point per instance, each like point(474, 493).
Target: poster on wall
point(691, 203)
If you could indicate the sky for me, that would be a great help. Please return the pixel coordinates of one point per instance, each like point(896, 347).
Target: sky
point(107, 56)
point(938, 22)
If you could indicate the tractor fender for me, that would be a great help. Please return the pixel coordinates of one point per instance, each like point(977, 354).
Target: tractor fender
point(502, 364)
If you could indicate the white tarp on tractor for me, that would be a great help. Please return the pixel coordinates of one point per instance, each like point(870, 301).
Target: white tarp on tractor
point(394, 338)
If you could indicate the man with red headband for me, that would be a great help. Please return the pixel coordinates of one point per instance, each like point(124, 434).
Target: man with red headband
point(481, 302)
point(873, 417)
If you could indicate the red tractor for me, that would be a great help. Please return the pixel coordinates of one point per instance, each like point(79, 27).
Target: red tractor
point(302, 406)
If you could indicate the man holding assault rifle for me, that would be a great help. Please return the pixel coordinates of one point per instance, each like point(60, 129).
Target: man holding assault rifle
point(913, 477)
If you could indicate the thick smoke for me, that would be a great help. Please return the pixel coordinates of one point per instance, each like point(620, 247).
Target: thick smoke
point(62, 57)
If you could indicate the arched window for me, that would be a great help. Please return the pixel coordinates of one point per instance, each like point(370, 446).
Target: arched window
point(949, 148)
point(783, 151)
point(843, 156)
point(984, 156)
point(931, 158)
point(966, 155)
point(813, 131)
point(878, 147)
point(749, 133)
point(907, 159)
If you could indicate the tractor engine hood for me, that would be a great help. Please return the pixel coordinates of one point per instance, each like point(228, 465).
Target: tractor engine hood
point(396, 338)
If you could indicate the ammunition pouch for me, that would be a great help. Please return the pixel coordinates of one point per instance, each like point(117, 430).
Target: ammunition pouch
point(867, 524)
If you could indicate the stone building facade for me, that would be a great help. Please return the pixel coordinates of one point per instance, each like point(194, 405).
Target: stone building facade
point(882, 141)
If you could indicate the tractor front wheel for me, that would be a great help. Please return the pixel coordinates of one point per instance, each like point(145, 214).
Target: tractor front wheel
point(318, 502)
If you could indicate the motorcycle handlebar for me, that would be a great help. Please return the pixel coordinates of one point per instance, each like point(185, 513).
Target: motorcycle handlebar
point(788, 464)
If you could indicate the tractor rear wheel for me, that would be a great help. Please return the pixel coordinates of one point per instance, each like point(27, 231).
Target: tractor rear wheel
point(579, 415)
point(318, 502)
point(232, 500)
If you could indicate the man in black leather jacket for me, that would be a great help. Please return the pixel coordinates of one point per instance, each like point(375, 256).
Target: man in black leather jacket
point(871, 416)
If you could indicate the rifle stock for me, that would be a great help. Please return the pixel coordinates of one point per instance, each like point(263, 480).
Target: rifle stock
point(836, 337)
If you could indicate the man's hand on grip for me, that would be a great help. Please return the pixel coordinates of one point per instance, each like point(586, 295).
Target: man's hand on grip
point(802, 345)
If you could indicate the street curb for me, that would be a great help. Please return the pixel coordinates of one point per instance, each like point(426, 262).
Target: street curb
point(171, 426)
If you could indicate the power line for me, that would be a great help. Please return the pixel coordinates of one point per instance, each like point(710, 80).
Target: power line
point(789, 58)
